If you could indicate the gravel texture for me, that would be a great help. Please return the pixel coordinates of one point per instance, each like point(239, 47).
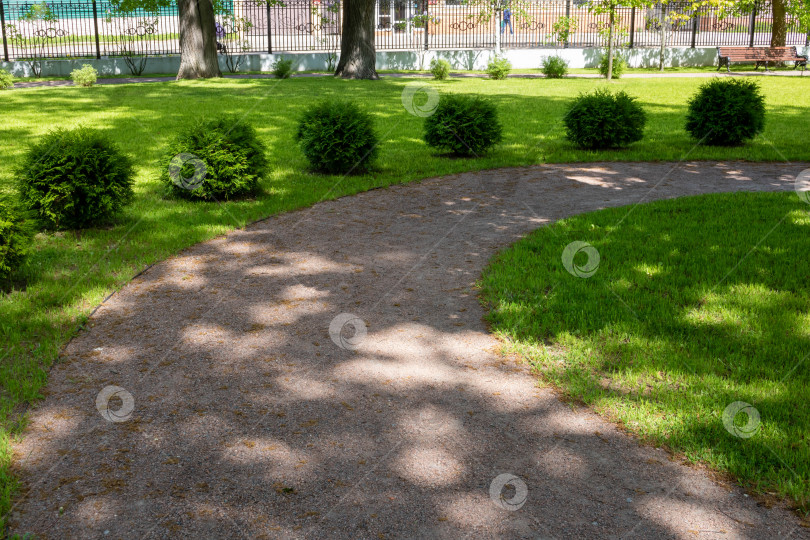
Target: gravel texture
point(251, 420)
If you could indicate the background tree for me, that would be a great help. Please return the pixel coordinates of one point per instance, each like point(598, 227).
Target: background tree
point(198, 40)
point(358, 55)
point(610, 7)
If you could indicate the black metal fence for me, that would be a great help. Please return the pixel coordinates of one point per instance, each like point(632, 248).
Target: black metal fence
point(93, 28)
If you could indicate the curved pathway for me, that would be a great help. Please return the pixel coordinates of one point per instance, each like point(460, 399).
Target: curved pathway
point(251, 420)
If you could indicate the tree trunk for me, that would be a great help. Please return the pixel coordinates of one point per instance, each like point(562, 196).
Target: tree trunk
point(610, 44)
point(663, 36)
point(779, 31)
point(198, 41)
point(358, 57)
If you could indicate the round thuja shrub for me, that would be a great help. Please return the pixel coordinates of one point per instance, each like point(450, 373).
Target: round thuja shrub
point(337, 137)
point(554, 67)
point(463, 125)
point(14, 238)
point(619, 65)
point(726, 112)
point(601, 119)
point(440, 69)
point(215, 159)
point(75, 178)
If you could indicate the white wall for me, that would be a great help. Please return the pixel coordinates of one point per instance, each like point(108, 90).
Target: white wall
point(465, 59)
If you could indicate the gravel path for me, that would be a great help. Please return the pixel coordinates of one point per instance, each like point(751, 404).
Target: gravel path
point(250, 420)
point(699, 75)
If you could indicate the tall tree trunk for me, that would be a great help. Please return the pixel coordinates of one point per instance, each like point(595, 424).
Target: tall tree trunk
point(610, 43)
point(662, 52)
point(358, 57)
point(779, 30)
point(198, 41)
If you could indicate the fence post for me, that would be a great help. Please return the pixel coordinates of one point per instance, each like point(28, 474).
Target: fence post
point(753, 26)
point(3, 29)
point(567, 15)
point(632, 26)
point(95, 28)
point(269, 31)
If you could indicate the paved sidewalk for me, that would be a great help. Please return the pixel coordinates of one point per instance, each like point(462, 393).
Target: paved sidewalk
point(129, 80)
point(327, 373)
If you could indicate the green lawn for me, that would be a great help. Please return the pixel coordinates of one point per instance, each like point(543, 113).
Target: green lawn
point(680, 320)
point(69, 273)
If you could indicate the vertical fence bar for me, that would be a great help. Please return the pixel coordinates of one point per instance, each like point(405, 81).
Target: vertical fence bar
point(632, 26)
point(269, 31)
point(95, 29)
point(3, 26)
point(753, 26)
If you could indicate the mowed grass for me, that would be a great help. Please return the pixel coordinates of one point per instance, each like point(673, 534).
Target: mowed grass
point(696, 303)
point(69, 273)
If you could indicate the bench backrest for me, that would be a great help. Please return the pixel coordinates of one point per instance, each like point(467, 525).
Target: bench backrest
point(757, 53)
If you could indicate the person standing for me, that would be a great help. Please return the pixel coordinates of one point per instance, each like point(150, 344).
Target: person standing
point(507, 20)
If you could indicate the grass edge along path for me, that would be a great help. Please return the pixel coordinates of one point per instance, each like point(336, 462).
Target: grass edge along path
point(674, 328)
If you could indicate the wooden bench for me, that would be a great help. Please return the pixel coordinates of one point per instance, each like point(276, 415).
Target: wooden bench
point(761, 55)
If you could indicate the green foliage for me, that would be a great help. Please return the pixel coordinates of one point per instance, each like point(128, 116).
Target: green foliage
point(85, 76)
point(75, 178)
point(464, 125)
point(563, 28)
point(440, 69)
point(6, 80)
point(337, 137)
point(619, 65)
point(282, 68)
point(498, 68)
point(14, 240)
point(554, 67)
point(726, 112)
point(216, 159)
point(601, 119)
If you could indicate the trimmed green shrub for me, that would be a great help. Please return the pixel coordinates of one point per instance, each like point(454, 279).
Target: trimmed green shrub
point(14, 239)
point(6, 80)
point(498, 68)
point(75, 178)
point(619, 65)
point(440, 69)
point(726, 112)
point(216, 159)
point(282, 68)
point(337, 137)
point(464, 125)
point(554, 67)
point(601, 119)
point(86, 76)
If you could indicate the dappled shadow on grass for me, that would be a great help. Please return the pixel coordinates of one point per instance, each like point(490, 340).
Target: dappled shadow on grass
point(696, 304)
